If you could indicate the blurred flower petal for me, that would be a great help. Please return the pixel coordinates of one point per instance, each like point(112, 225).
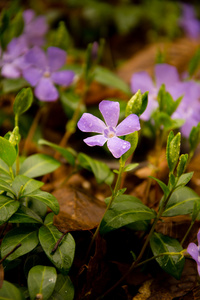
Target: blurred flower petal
point(166, 74)
point(64, 78)
point(56, 58)
point(45, 90)
point(37, 58)
point(141, 81)
point(32, 75)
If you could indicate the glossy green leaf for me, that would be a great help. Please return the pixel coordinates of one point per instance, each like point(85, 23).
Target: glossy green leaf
point(133, 140)
point(137, 104)
point(63, 257)
point(194, 137)
point(108, 78)
point(10, 292)
point(4, 169)
point(8, 207)
point(37, 206)
point(38, 164)
point(100, 170)
point(7, 152)
point(41, 281)
point(6, 187)
point(26, 236)
point(163, 186)
point(125, 210)
point(47, 199)
point(184, 179)
point(23, 101)
point(181, 202)
point(171, 264)
point(182, 164)
point(173, 150)
point(25, 215)
point(68, 153)
point(23, 185)
point(64, 289)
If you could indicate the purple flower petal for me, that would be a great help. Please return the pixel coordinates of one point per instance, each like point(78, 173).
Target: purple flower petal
point(117, 146)
point(28, 15)
point(96, 140)
point(37, 58)
point(110, 112)
point(128, 125)
point(64, 78)
point(90, 123)
point(198, 237)
point(32, 75)
point(192, 249)
point(16, 47)
point(56, 58)
point(141, 81)
point(166, 74)
point(45, 90)
point(37, 27)
point(10, 71)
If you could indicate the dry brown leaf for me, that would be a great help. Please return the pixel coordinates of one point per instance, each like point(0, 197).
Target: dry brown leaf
point(144, 291)
point(78, 211)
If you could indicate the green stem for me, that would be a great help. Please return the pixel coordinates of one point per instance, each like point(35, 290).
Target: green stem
point(187, 232)
point(11, 172)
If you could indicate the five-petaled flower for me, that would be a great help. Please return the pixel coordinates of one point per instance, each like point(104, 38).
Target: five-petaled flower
point(109, 131)
point(194, 251)
point(43, 72)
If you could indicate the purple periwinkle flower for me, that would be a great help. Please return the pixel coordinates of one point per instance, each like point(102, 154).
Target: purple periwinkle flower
point(34, 28)
point(12, 61)
point(194, 251)
point(164, 74)
point(43, 72)
point(109, 131)
point(189, 22)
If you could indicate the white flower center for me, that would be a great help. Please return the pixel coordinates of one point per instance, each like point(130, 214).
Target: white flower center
point(110, 132)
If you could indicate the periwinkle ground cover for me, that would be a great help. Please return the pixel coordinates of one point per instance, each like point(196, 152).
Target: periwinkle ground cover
point(34, 65)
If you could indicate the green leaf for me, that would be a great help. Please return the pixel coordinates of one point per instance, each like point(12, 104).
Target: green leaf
point(100, 170)
point(182, 164)
point(64, 289)
point(13, 85)
point(7, 152)
point(37, 206)
point(173, 150)
point(60, 37)
point(23, 185)
point(171, 264)
point(70, 101)
point(38, 164)
point(137, 104)
point(68, 153)
point(131, 167)
point(162, 119)
point(9, 292)
point(194, 62)
point(25, 215)
point(181, 202)
point(125, 210)
point(106, 77)
point(41, 281)
point(133, 140)
point(163, 186)
point(23, 101)
point(26, 236)
point(47, 199)
point(4, 169)
point(63, 257)
point(194, 137)
point(184, 179)
point(6, 187)
point(166, 102)
point(8, 207)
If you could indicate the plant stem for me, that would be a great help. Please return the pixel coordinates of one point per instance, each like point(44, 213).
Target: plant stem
point(187, 232)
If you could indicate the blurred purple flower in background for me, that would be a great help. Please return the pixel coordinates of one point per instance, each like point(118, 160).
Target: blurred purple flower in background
point(164, 74)
point(34, 28)
point(43, 72)
point(12, 61)
point(189, 22)
point(109, 131)
point(194, 251)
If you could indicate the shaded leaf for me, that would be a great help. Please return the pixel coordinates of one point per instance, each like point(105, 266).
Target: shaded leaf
point(64, 289)
point(25, 215)
point(10, 292)
point(47, 199)
point(7, 152)
point(8, 207)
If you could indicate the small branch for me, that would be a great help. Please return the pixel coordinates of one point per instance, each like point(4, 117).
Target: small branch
point(16, 247)
point(58, 243)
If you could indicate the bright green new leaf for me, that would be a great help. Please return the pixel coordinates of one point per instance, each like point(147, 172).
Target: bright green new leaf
point(133, 140)
point(10, 292)
point(181, 202)
point(47, 199)
point(41, 281)
point(63, 257)
point(23, 185)
point(194, 137)
point(131, 167)
point(26, 236)
point(7, 152)
point(64, 289)
point(182, 164)
point(38, 164)
point(23, 101)
point(8, 207)
point(137, 104)
point(173, 150)
point(68, 153)
point(125, 210)
point(171, 264)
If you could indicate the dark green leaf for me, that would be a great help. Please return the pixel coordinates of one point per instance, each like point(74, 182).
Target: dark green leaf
point(47, 199)
point(163, 186)
point(64, 289)
point(41, 281)
point(125, 210)
point(49, 235)
point(68, 153)
point(25, 215)
point(10, 292)
point(26, 236)
point(8, 207)
point(100, 170)
point(7, 152)
point(38, 164)
point(23, 101)
point(133, 140)
point(181, 202)
point(23, 185)
point(171, 264)
point(6, 187)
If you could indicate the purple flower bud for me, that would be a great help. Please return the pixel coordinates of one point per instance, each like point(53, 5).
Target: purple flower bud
point(109, 131)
